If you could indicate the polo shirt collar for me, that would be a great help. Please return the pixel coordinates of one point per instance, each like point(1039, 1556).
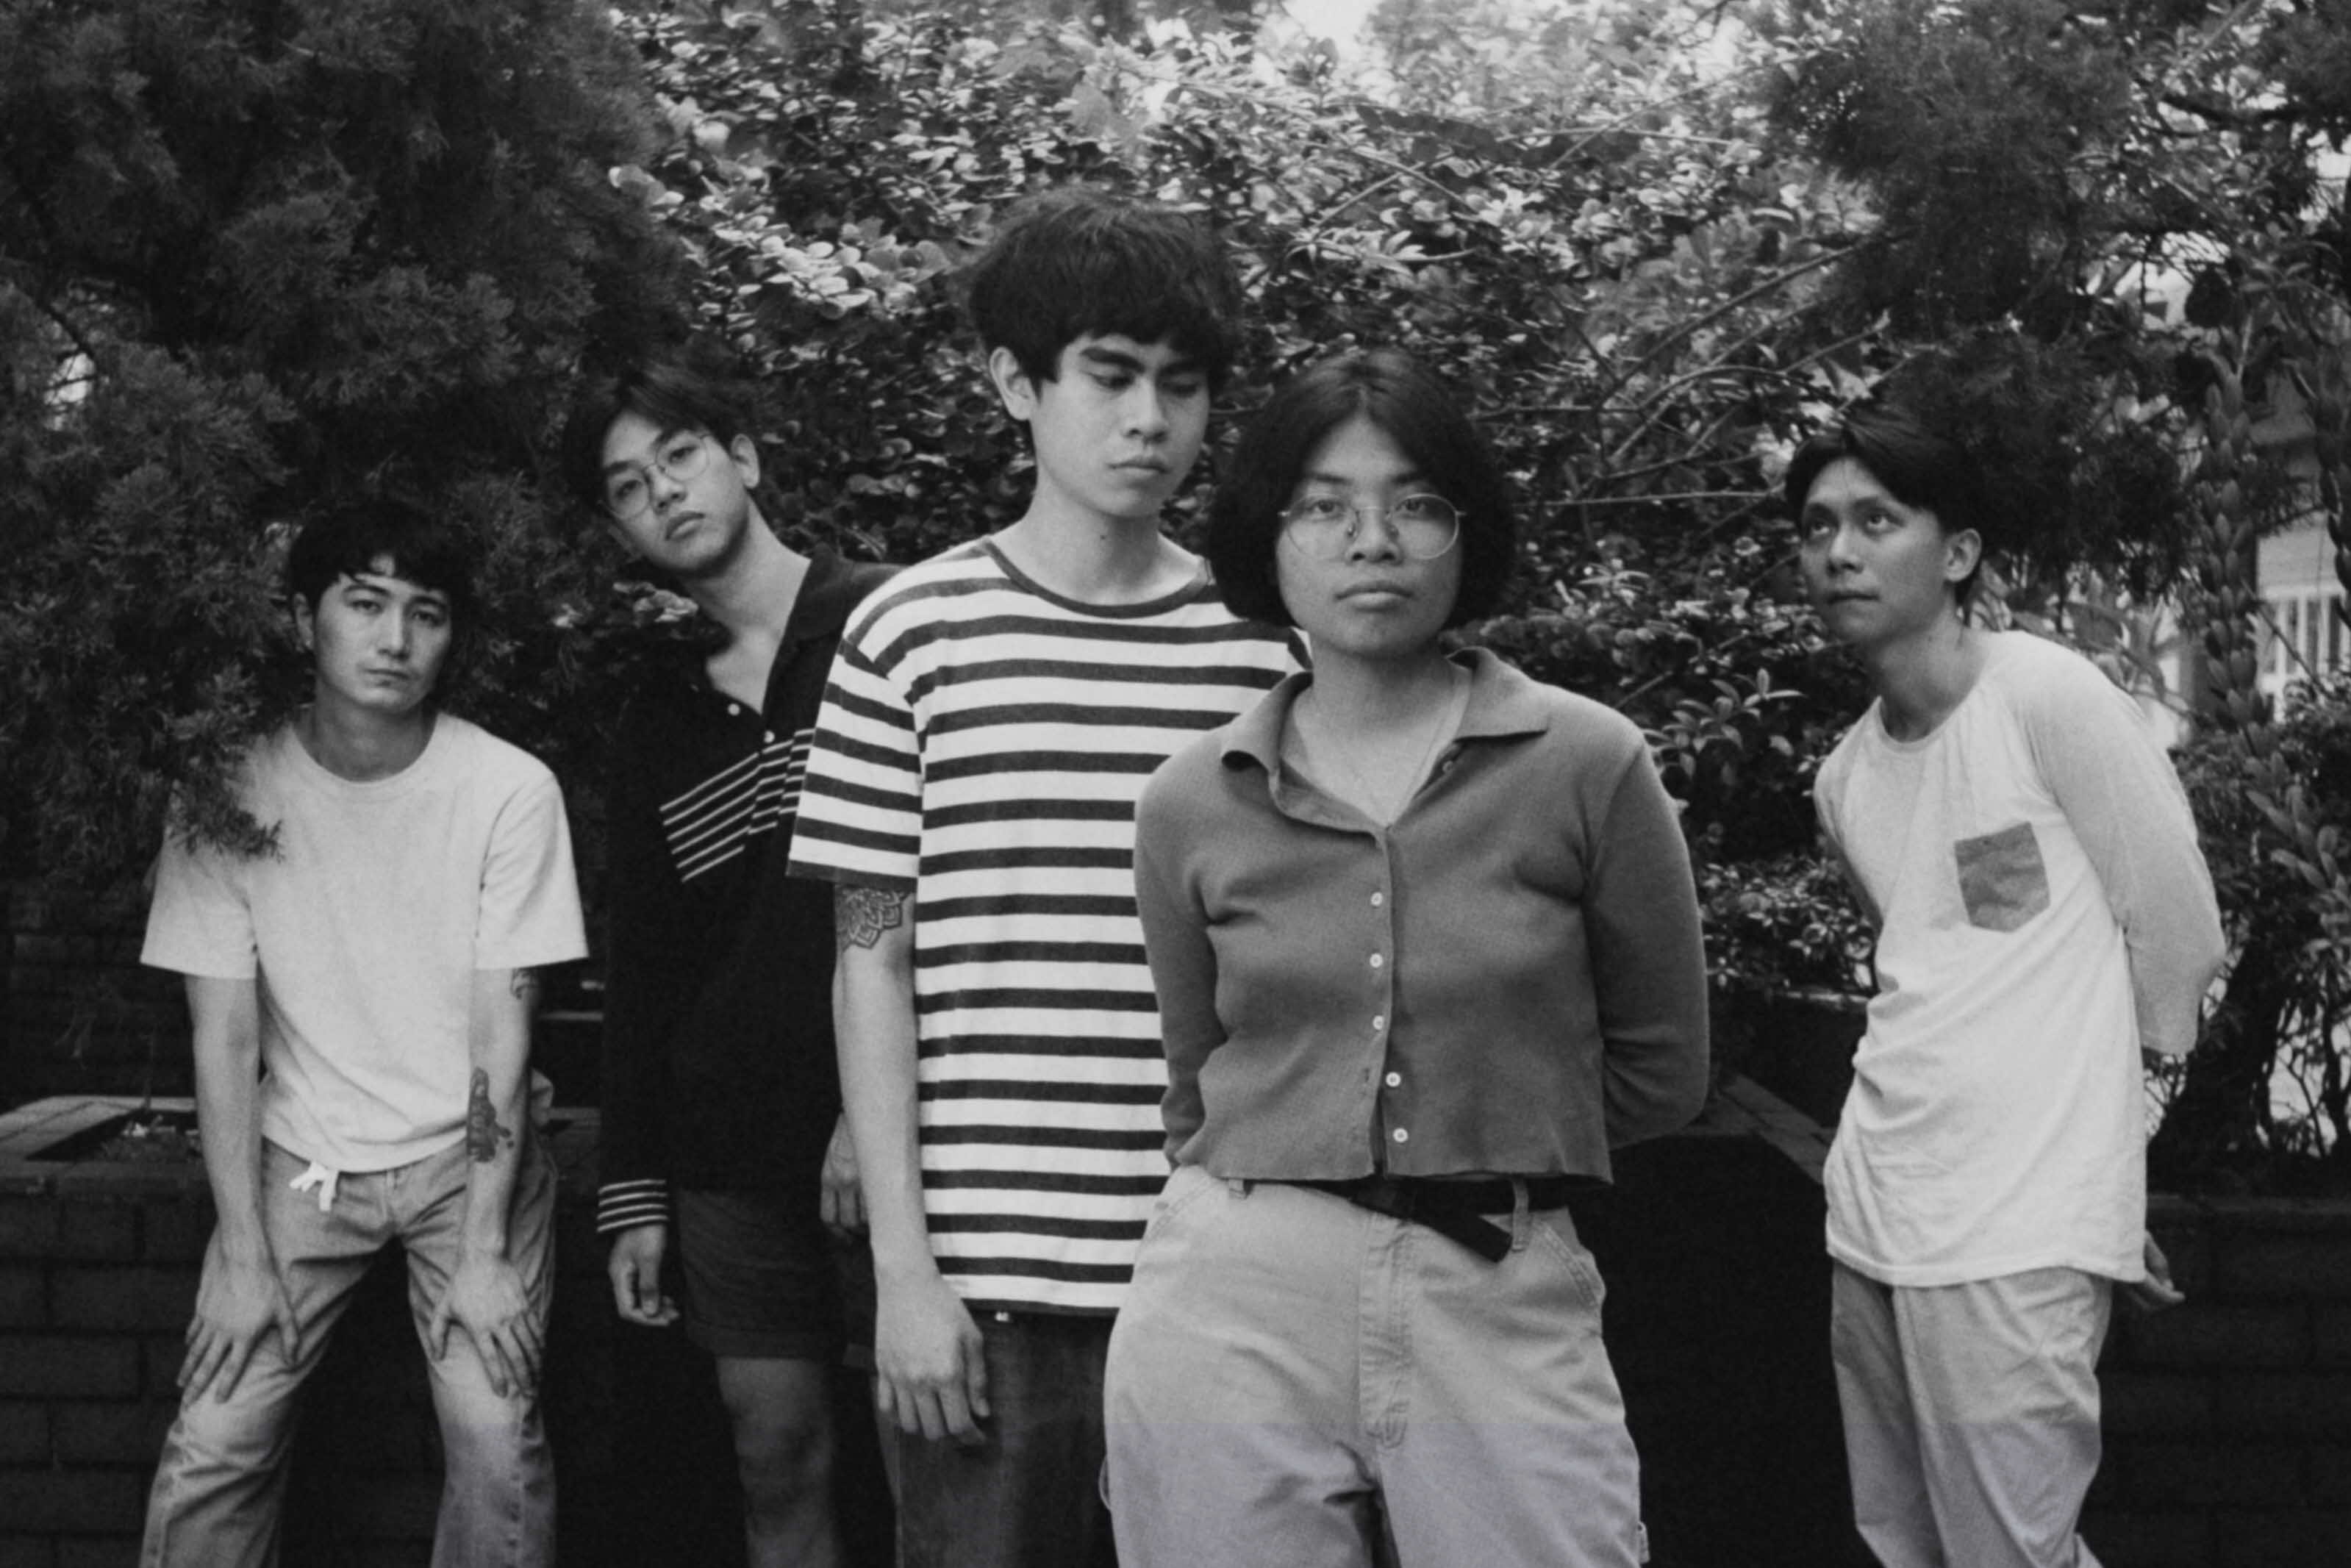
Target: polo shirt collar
point(1502, 703)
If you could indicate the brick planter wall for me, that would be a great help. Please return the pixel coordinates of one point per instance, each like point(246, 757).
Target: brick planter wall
point(98, 1277)
point(78, 1013)
point(2227, 1418)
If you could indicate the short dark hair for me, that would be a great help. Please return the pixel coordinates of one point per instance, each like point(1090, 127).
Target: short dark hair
point(1079, 260)
point(692, 385)
point(1429, 422)
point(353, 536)
point(1920, 468)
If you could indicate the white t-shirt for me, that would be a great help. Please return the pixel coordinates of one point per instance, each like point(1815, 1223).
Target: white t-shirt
point(365, 929)
point(2042, 911)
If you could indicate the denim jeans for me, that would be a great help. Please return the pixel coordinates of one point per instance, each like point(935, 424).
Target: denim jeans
point(1298, 1381)
point(1030, 1495)
point(219, 1489)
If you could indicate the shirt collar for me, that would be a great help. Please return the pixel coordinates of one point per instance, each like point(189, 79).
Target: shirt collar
point(1502, 703)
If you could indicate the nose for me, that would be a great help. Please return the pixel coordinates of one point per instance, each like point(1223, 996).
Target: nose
point(1373, 538)
point(1146, 409)
point(1838, 550)
point(663, 485)
point(391, 635)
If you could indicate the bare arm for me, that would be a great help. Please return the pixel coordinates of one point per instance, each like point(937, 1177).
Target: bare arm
point(929, 1376)
point(488, 1296)
point(243, 1295)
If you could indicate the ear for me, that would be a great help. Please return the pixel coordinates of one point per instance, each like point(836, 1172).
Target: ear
point(1012, 383)
point(745, 454)
point(1962, 552)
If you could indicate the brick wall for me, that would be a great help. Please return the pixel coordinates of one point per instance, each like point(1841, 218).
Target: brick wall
point(98, 1277)
point(78, 1013)
point(2229, 1418)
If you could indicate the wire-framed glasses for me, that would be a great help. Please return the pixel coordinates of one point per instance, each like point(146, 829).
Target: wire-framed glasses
point(1426, 525)
point(683, 455)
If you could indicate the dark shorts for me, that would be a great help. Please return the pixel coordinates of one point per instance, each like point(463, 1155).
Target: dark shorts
point(761, 1278)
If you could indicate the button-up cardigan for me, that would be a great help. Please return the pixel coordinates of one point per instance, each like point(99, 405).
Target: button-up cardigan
point(1508, 979)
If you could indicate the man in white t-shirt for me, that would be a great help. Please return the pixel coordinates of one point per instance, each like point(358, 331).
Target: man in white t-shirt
point(361, 996)
point(2042, 914)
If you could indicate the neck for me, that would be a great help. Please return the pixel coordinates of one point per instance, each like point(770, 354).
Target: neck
point(1920, 679)
point(1092, 559)
point(753, 594)
point(360, 745)
point(1357, 696)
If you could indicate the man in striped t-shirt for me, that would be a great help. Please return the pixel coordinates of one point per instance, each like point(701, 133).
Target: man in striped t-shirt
point(991, 718)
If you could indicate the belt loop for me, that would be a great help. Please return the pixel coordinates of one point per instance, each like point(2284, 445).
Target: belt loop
point(1237, 1186)
point(1521, 1222)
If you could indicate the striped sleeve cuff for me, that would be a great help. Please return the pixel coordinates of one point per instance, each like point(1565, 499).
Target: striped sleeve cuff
point(625, 1205)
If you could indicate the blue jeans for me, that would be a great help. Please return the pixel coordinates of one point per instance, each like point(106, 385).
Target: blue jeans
point(1030, 1495)
point(221, 1486)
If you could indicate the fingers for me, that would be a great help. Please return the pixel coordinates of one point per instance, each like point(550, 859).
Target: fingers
point(436, 1333)
point(975, 1374)
point(290, 1329)
point(240, 1355)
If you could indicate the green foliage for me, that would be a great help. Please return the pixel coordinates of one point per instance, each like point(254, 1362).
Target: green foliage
point(254, 257)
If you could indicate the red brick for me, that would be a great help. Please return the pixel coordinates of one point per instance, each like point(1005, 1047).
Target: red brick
point(2330, 1476)
point(24, 1432)
point(143, 1298)
point(2206, 1335)
point(29, 1227)
point(32, 947)
point(2149, 1539)
point(2331, 1335)
point(175, 1232)
point(2155, 1404)
point(2303, 1268)
point(2285, 1406)
point(2240, 1475)
point(86, 1501)
point(93, 1231)
point(98, 1552)
point(110, 1432)
point(24, 1296)
point(68, 1366)
point(27, 1551)
point(2273, 1540)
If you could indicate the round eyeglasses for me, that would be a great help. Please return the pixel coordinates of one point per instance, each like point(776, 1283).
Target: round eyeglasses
point(1424, 526)
point(629, 489)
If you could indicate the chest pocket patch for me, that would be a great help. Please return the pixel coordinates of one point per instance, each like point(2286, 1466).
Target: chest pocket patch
point(2001, 878)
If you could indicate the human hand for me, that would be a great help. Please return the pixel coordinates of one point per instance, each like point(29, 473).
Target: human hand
point(237, 1303)
point(930, 1375)
point(2156, 1291)
point(486, 1298)
point(842, 1202)
point(635, 1267)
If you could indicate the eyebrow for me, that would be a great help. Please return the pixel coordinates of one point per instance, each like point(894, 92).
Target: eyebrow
point(1119, 358)
point(662, 439)
point(384, 582)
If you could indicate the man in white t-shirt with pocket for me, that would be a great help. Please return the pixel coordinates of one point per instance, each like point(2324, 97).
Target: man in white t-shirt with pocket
point(361, 996)
point(2044, 915)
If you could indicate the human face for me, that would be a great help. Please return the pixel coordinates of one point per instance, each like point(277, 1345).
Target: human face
point(377, 641)
point(1116, 430)
point(1878, 572)
point(688, 528)
point(1372, 600)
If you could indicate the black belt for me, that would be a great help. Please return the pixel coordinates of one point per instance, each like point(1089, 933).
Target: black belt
point(1455, 1210)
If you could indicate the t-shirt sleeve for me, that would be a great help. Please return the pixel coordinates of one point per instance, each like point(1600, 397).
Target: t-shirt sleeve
point(199, 922)
point(860, 807)
point(2126, 807)
point(529, 909)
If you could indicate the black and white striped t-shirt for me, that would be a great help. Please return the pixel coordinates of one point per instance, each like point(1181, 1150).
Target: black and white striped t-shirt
point(982, 743)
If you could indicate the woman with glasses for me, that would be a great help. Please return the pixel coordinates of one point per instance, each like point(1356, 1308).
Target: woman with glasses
point(1427, 948)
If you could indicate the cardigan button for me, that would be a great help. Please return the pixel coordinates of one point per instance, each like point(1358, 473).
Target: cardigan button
point(1377, 961)
point(1400, 1136)
point(1395, 1080)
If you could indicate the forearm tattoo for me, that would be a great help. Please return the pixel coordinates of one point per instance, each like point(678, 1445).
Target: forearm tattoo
point(859, 915)
point(524, 983)
point(485, 1134)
